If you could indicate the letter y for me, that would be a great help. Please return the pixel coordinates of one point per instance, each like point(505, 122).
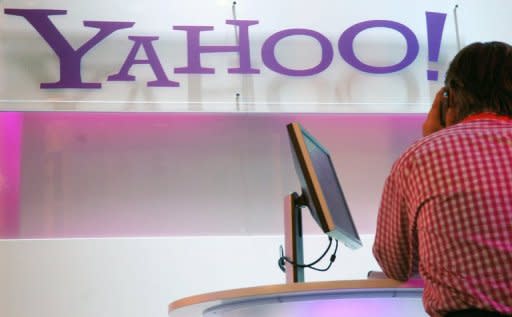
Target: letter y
point(69, 58)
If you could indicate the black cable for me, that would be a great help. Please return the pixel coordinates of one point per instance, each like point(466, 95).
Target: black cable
point(314, 262)
point(331, 260)
point(283, 259)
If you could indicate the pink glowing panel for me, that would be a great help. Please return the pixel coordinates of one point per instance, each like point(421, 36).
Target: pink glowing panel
point(358, 304)
point(178, 174)
point(10, 159)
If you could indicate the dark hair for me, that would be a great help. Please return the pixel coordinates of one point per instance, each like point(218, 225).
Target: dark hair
point(480, 76)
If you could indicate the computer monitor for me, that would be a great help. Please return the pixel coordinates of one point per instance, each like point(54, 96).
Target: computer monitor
point(321, 192)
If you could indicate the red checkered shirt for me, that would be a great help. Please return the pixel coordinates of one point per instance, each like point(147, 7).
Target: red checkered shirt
point(446, 212)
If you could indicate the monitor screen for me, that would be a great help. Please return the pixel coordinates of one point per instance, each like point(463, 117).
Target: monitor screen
point(321, 190)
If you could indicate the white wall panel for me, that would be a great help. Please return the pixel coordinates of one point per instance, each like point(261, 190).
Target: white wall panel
point(140, 277)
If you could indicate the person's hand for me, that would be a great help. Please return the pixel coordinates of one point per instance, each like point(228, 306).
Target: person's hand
point(433, 122)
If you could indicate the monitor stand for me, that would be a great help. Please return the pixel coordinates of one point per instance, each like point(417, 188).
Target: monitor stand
point(293, 238)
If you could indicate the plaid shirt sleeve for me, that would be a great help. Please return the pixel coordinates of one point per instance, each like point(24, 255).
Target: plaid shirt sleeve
point(394, 246)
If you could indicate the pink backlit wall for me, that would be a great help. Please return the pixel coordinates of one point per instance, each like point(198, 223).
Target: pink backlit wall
point(10, 161)
point(178, 174)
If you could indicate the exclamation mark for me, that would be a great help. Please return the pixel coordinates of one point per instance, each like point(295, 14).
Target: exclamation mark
point(435, 27)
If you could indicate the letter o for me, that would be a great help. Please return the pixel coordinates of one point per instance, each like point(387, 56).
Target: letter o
point(346, 41)
point(269, 58)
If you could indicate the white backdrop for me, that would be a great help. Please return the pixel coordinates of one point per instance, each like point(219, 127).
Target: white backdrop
point(140, 277)
point(111, 178)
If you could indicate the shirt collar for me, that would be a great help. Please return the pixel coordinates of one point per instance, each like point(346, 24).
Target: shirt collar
point(488, 116)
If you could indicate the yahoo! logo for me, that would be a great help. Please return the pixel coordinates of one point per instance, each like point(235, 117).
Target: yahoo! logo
point(70, 58)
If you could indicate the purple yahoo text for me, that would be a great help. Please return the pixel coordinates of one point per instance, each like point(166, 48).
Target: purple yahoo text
point(70, 58)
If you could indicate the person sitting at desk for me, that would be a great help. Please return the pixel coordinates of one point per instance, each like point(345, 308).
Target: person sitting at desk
point(446, 208)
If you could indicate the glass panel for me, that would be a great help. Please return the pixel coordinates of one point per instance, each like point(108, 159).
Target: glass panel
point(268, 56)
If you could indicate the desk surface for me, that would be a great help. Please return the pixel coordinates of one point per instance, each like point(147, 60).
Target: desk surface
point(227, 303)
